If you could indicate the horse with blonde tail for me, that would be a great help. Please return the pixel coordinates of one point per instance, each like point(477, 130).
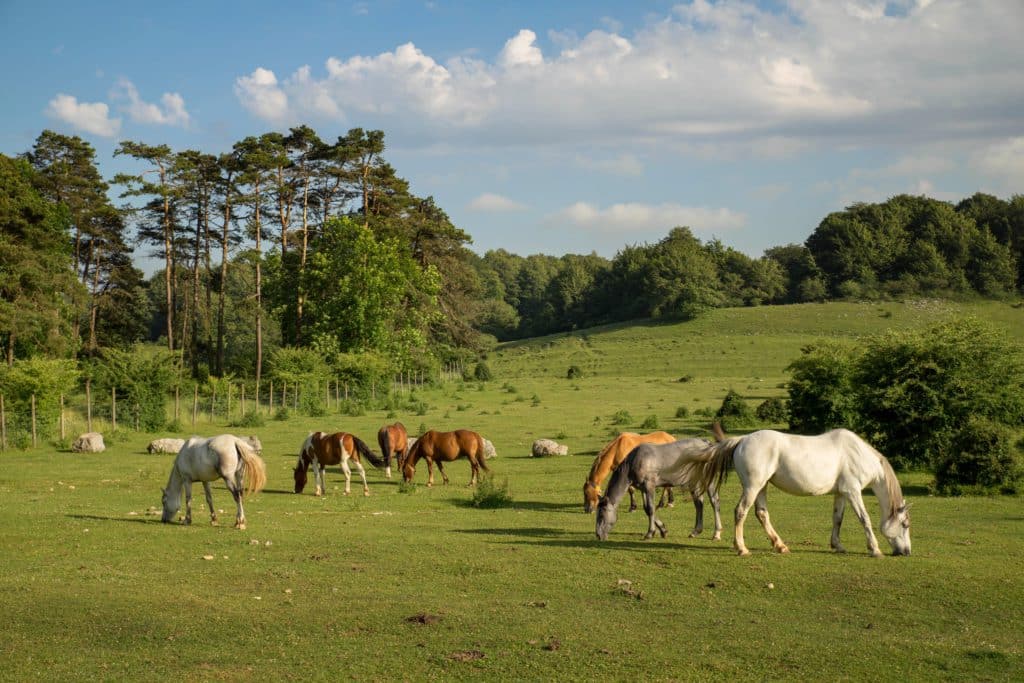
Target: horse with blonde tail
point(224, 457)
point(837, 462)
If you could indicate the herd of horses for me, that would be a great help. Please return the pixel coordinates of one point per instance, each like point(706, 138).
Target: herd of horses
point(838, 462)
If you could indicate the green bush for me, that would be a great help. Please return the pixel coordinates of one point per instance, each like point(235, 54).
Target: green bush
point(282, 414)
point(482, 372)
point(772, 411)
point(982, 458)
point(622, 417)
point(489, 494)
point(251, 419)
point(682, 412)
point(142, 377)
point(735, 412)
point(821, 392)
point(574, 372)
point(650, 422)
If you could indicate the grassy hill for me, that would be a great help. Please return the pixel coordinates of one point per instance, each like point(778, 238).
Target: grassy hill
point(417, 583)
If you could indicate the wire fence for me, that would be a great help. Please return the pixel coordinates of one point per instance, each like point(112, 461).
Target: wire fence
point(27, 423)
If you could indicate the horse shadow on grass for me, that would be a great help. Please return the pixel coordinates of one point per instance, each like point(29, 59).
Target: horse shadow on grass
point(531, 505)
point(101, 518)
point(558, 538)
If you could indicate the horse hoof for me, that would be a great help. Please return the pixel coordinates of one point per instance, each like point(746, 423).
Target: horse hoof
point(664, 533)
point(783, 550)
point(366, 493)
point(839, 550)
point(877, 553)
point(240, 526)
point(743, 553)
point(695, 533)
point(716, 537)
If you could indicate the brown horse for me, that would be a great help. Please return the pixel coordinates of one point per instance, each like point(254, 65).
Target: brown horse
point(394, 442)
point(321, 449)
point(444, 447)
point(615, 452)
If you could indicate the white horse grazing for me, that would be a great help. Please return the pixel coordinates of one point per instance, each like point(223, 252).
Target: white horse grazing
point(225, 456)
point(837, 462)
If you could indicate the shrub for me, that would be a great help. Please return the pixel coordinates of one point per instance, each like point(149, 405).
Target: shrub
point(682, 411)
point(821, 392)
point(352, 408)
point(574, 372)
point(735, 412)
point(482, 372)
point(489, 494)
point(251, 419)
point(773, 411)
point(650, 422)
point(281, 414)
point(622, 417)
point(175, 426)
point(685, 378)
point(982, 458)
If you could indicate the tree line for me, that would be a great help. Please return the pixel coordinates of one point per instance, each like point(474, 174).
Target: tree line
point(290, 241)
point(904, 247)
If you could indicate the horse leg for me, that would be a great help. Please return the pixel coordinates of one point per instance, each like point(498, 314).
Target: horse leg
point(209, 502)
point(362, 473)
point(348, 475)
point(236, 492)
point(698, 507)
point(430, 471)
point(474, 471)
point(440, 468)
point(319, 474)
point(715, 505)
point(188, 501)
point(838, 505)
point(857, 503)
point(742, 507)
point(632, 500)
point(653, 522)
point(667, 492)
point(761, 509)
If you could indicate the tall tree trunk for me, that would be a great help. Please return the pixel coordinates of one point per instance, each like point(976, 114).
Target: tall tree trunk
point(300, 292)
point(93, 304)
point(9, 351)
point(194, 346)
point(168, 262)
point(259, 290)
point(223, 285)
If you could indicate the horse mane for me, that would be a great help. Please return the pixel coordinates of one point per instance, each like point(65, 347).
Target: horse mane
point(892, 485)
point(599, 460)
point(306, 445)
point(619, 482)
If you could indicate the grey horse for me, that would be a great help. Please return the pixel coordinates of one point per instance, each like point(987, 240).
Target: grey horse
point(647, 467)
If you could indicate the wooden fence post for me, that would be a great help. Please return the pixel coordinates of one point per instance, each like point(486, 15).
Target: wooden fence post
point(176, 403)
point(227, 409)
point(242, 412)
point(3, 425)
point(257, 398)
point(113, 407)
point(62, 430)
point(195, 404)
point(271, 396)
point(88, 405)
point(33, 420)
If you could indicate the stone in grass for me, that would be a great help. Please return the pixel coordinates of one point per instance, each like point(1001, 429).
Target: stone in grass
point(90, 442)
point(546, 447)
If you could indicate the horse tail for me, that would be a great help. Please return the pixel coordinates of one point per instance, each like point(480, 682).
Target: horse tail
point(255, 469)
point(365, 452)
point(384, 441)
point(707, 472)
point(480, 459)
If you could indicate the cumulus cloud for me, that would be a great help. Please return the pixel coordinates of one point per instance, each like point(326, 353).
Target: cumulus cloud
point(171, 113)
point(624, 164)
point(91, 117)
point(260, 93)
point(489, 201)
point(636, 218)
point(1004, 162)
point(739, 73)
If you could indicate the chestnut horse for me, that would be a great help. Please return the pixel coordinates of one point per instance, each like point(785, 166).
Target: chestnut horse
point(444, 447)
point(615, 452)
point(321, 449)
point(394, 442)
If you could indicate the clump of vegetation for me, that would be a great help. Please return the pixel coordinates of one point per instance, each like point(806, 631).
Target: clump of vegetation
point(406, 487)
point(685, 378)
point(352, 408)
point(983, 458)
point(482, 372)
point(650, 422)
point(773, 411)
point(920, 394)
point(282, 414)
point(574, 372)
point(251, 419)
point(175, 426)
point(622, 417)
point(735, 412)
point(682, 412)
point(489, 494)
point(535, 400)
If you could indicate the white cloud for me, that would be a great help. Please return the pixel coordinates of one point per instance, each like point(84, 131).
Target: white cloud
point(172, 113)
point(260, 93)
point(489, 201)
point(768, 82)
point(1004, 162)
point(636, 218)
point(92, 117)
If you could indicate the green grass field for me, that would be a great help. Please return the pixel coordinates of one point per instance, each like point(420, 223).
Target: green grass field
point(419, 584)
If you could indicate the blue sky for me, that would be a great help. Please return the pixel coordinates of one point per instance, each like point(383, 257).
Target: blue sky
point(557, 127)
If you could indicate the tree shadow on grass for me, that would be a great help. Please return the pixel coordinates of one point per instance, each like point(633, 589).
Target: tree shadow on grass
point(533, 506)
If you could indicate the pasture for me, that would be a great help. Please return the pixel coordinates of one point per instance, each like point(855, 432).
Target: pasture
point(416, 583)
